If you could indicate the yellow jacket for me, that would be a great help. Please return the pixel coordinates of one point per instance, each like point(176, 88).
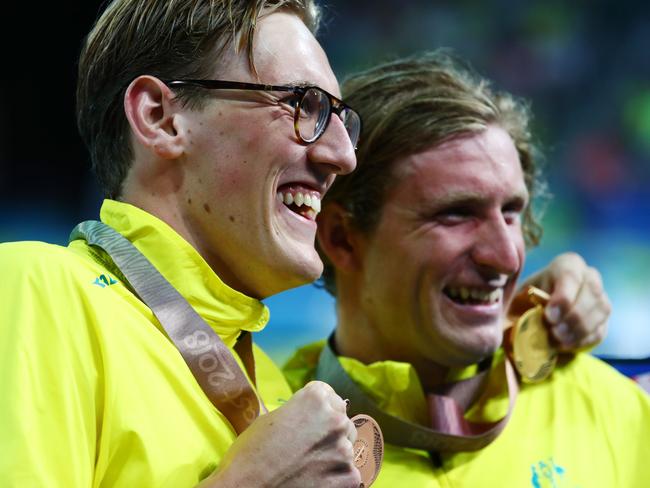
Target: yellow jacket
point(92, 392)
point(587, 426)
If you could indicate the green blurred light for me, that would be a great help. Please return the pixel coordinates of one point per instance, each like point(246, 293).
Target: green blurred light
point(637, 118)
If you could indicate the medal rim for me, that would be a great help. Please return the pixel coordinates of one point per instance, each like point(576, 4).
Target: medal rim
point(545, 367)
point(372, 445)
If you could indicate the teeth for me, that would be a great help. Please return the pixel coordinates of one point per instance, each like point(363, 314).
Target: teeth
point(315, 203)
point(496, 295)
point(475, 294)
point(300, 199)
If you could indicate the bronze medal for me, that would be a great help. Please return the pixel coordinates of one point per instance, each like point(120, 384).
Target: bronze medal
point(368, 448)
point(532, 352)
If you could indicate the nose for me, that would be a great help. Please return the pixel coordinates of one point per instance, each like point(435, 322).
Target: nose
point(499, 246)
point(333, 150)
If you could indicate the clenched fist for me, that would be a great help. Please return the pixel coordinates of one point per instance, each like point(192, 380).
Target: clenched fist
point(305, 443)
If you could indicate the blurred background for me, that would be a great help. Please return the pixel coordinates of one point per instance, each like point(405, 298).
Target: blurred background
point(584, 66)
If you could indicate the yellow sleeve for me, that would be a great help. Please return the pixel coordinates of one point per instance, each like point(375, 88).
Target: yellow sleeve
point(48, 372)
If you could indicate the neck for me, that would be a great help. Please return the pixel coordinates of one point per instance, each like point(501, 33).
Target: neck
point(357, 337)
point(161, 196)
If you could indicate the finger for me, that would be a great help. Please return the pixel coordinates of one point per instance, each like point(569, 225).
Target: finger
point(325, 394)
point(351, 432)
point(339, 404)
point(318, 385)
point(353, 474)
point(344, 476)
point(565, 290)
point(592, 339)
point(566, 263)
point(583, 328)
point(590, 297)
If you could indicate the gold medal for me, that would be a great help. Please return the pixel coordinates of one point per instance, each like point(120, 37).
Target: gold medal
point(528, 344)
point(368, 448)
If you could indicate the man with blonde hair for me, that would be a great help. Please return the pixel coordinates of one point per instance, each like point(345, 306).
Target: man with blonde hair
point(215, 128)
point(424, 244)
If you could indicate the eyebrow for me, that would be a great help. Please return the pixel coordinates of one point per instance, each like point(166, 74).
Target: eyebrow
point(463, 198)
point(301, 83)
point(305, 83)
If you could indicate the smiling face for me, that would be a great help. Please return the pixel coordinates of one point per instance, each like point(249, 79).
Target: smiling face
point(440, 268)
point(251, 189)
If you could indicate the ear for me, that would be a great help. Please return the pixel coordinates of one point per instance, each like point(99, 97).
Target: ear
point(150, 109)
point(338, 239)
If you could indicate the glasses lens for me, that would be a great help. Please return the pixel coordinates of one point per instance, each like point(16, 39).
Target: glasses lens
point(352, 122)
point(314, 112)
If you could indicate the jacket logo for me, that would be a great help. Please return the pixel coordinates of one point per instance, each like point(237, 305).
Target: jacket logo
point(103, 281)
point(548, 474)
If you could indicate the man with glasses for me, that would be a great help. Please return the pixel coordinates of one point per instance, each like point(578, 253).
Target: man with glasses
point(423, 245)
point(215, 129)
point(217, 183)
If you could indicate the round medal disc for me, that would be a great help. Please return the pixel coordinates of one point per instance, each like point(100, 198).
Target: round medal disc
point(368, 448)
point(534, 355)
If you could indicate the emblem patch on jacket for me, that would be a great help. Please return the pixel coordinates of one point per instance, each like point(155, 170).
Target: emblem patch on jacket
point(548, 474)
point(103, 281)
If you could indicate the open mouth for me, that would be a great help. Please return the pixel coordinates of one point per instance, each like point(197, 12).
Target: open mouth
point(473, 296)
point(301, 201)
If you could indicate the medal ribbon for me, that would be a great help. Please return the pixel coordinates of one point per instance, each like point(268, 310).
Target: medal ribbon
point(209, 359)
point(450, 431)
